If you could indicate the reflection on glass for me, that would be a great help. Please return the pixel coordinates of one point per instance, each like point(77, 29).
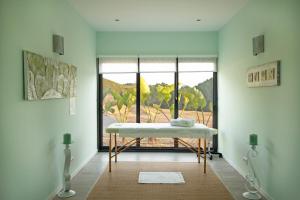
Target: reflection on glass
point(157, 104)
point(119, 102)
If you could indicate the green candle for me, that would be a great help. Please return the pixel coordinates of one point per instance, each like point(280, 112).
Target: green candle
point(67, 138)
point(253, 139)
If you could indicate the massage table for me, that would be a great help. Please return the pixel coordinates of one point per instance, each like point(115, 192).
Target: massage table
point(159, 130)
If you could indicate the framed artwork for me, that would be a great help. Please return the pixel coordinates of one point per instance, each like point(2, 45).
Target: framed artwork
point(264, 75)
point(46, 78)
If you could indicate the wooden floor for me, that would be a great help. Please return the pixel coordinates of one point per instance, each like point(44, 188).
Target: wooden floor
point(84, 181)
point(123, 184)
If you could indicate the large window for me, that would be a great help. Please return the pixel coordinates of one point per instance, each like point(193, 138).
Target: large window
point(169, 87)
point(157, 95)
point(118, 93)
point(119, 100)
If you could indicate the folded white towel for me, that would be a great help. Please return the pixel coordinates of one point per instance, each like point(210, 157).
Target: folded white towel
point(184, 122)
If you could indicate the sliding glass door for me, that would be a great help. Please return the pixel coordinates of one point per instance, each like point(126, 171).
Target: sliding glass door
point(119, 100)
point(167, 88)
point(157, 95)
point(196, 98)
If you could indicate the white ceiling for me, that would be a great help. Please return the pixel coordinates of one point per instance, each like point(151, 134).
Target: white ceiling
point(157, 15)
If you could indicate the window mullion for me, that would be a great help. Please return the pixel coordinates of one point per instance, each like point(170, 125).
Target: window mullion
point(138, 99)
point(176, 100)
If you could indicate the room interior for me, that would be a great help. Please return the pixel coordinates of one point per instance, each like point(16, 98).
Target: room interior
point(240, 38)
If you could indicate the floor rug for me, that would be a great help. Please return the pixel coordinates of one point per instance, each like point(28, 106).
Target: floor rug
point(161, 178)
point(123, 184)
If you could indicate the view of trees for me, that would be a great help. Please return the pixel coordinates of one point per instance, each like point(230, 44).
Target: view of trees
point(156, 99)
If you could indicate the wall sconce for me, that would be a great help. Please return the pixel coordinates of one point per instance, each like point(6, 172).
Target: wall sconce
point(258, 44)
point(58, 44)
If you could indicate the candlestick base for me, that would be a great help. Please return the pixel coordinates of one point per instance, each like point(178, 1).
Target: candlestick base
point(66, 194)
point(251, 195)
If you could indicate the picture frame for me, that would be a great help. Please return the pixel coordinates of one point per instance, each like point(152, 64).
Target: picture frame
point(46, 78)
point(265, 75)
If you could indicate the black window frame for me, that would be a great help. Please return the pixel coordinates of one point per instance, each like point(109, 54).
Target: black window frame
point(138, 148)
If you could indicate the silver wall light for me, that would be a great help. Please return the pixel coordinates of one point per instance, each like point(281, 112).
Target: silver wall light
point(58, 44)
point(258, 44)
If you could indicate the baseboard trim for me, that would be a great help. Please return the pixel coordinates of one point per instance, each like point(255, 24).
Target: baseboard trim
point(242, 173)
point(53, 194)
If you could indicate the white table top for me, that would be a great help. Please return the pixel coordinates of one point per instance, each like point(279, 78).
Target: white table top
point(162, 130)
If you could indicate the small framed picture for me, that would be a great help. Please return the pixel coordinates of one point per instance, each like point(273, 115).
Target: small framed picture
point(264, 75)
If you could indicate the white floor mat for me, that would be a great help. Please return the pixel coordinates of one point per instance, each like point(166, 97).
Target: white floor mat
point(161, 177)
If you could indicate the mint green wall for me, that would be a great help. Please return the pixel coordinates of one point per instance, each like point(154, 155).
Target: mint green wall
point(273, 113)
point(31, 153)
point(30, 132)
point(157, 43)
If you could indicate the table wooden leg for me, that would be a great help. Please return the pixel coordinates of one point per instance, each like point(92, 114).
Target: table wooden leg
point(199, 150)
point(205, 156)
point(176, 143)
point(138, 142)
point(109, 148)
point(116, 148)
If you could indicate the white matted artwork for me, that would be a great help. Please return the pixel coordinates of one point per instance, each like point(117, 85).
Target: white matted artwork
point(264, 75)
point(72, 105)
point(46, 78)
